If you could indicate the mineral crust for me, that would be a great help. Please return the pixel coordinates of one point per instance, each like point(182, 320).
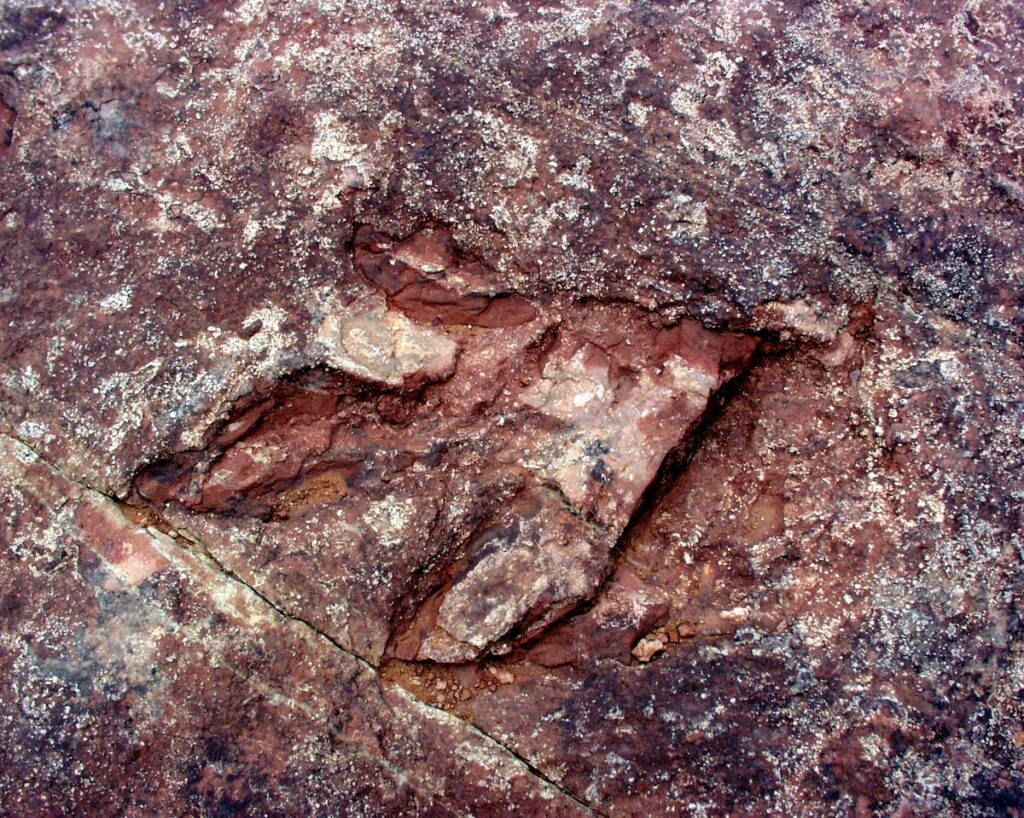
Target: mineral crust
point(511, 408)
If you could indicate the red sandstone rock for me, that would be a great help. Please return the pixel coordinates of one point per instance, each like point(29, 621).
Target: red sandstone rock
point(537, 409)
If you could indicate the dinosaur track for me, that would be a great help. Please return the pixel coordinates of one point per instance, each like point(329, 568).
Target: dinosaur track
point(453, 476)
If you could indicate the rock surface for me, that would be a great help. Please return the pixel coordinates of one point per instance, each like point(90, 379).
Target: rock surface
point(511, 408)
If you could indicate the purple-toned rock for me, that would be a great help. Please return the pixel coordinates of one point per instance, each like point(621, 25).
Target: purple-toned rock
point(531, 408)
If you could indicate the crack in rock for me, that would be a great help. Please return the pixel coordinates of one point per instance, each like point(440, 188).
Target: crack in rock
point(132, 552)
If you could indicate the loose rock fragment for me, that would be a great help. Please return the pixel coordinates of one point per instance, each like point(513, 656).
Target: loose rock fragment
point(382, 346)
point(647, 648)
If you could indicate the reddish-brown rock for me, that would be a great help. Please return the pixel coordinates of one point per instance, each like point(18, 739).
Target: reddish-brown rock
point(511, 408)
point(481, 474)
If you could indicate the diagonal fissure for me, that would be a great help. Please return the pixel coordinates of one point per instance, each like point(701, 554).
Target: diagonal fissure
point(199, 551)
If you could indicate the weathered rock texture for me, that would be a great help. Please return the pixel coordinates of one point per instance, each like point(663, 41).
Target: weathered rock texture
point(512, 408)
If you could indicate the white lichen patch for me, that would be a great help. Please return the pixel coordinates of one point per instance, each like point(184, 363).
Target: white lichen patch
point(239, 361)
point(514, 151)
point(390, 519)
point(25, 380)
point(334, 140)
point(638, 113)
point(123, 395)
point(32, 430)
point(684, 101)
point(579, 177)
point(203, 217)
point(251, 230)
point(119, 300)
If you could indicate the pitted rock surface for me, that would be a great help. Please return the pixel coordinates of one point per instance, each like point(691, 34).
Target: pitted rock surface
point(527, 408)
